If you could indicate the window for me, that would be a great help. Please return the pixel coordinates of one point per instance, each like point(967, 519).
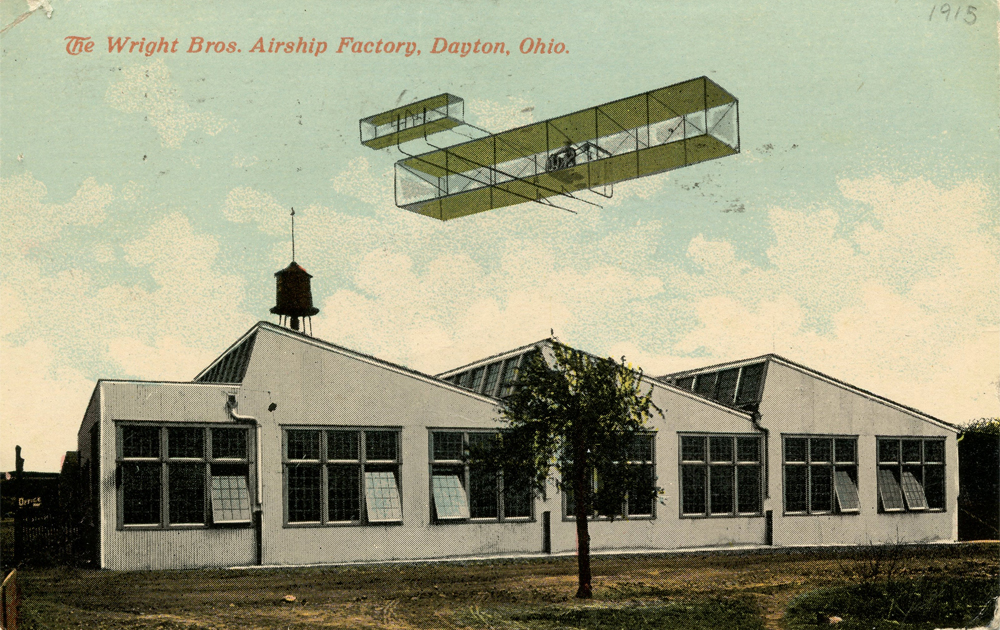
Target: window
point(183, 475)
point(461, 491)
point(342, 476)
point(821, 475)
point(739, 385)
point(720, 475)
point(639, 497)
point(495, 379)
point(910, 474)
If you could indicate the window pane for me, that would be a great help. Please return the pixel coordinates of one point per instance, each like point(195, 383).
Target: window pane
point(725, 389)
point(845, 450)
point(821, 486)
point(686, 382)
point(185, 442)
point(517, 494)
point(911, 451)
point(641, 449)
point(141, 442)
point(721, 449)
point(889, 491)
point(230, 493)
point(722, 489)
point(380, 445)
point(492, 378)
point(748, 449)
point(640, 494)
point(796, 495)
point(509, 376)
point(913, 488)
point(748, 487)
point(705, 384)
point(447, 445)
point(342, 445)
point(477, 379)
point(140, 493)
point(482, 492)
point(303, 492)
point(229, 443)
point(795, 449)
point(934, 451)
point(465, 380)
point(693, 489)
point(344, 491)
point(847, 489)
point(186, 485)
point(692, 449)
point(888, 451)
point(382, 496)
point(303, 444)
point(934, 485)
point(820, 450)
point(750, 383)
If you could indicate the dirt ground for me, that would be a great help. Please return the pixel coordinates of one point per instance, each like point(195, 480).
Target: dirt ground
point(454, 595)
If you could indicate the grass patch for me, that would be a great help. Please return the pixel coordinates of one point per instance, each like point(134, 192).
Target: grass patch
point(915, 604)
point(710, 614)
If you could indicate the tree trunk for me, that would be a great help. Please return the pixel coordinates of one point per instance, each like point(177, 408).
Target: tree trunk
point(581, 489)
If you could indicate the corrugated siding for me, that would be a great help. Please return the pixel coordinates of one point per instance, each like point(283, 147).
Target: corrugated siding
point(180, 549)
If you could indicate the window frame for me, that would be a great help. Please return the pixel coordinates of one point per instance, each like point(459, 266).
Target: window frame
point(900, 465)
point(708, 463)
point(569, 516)
point(164, 460)
point(835, 464)
point(324, 462)
point(466, 481)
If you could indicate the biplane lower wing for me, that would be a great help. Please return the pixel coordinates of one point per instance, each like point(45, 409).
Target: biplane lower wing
point(645, 134)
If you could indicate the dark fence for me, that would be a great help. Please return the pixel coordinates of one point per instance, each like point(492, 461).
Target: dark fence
point(47, 540)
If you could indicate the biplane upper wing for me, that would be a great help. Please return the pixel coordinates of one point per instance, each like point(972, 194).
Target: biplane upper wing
point(413, 121)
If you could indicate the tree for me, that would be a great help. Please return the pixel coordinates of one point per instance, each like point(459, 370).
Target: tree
point(585, 416)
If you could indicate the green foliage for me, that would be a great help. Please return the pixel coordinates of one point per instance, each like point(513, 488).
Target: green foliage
point(983, 426)
point(579, 414)
point(709, 614)
point(902, 604)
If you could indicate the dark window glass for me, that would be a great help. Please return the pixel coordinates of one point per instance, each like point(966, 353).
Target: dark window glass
point(482, 492)
point(821, 485)
point(640, 494)
point(185, 442)
point(492, 378)
point(140, 442)
point(934, 451)
point(140, 493)
point(303, 492)
point(795, 449)
point(888, 451)
point(509, 376)
point(303, 444)
point(465, 380)
point(721, 485)
point(750, 384)
point(229, 443)
point(641, 449)
point(186, 484)
point(342, 445)
point(845, 450)
point(705, 384)
point(380, 445)
point(725, 389)
point(748, 482)
point(821, 450)
point(692, 449)
point(685, 383)
point(911, 451)
point(693, 484)
point(517, 494)
point(447, 445)
point(721, 449)
point(934, 486)
point(477, 379)
point(344, 491)
point(796, 493)
point(748, 449)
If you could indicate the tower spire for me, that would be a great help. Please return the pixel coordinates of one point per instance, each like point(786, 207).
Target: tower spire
point(293, 234)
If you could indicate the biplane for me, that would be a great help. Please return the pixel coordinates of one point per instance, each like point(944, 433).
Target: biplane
point(588, 150)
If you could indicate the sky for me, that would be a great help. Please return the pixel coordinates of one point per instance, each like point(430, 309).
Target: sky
point(145, 199)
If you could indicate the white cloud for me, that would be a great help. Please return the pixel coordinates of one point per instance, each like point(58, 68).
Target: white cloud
point(28, 221)
point(496, 116)
point(148, 89)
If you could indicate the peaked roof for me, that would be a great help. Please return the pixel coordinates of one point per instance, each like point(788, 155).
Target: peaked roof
point(233, 362)
point(811, 372)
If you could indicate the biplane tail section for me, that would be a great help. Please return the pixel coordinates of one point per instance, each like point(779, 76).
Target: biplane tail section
point(413, 121)
point(645, 134)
